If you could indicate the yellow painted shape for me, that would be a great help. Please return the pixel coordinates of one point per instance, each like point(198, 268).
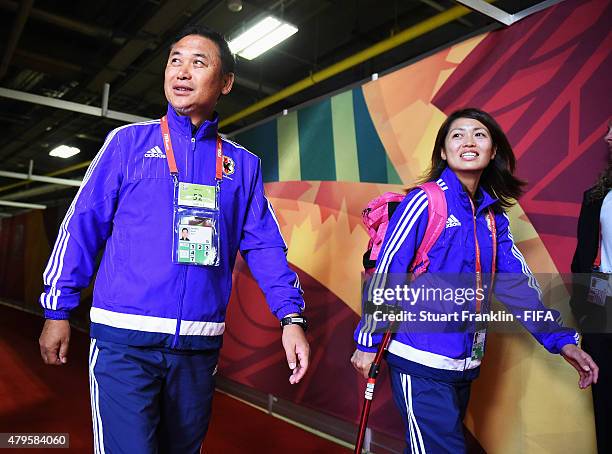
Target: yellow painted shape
point(401, 109)
point(345, 139)
point(288, 148)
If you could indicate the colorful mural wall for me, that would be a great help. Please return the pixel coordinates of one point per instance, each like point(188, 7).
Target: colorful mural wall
point(546, 80)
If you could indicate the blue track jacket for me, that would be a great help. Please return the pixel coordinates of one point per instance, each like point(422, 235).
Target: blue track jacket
point(447, 355)
point(125, 206)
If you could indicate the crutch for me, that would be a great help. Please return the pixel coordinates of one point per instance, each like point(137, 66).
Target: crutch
point(369, 391)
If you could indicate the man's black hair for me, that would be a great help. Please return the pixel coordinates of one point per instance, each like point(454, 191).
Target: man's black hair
point(228, 62)
point(185, 228)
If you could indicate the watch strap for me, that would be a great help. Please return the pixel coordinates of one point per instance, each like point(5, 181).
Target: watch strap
point(294, 320)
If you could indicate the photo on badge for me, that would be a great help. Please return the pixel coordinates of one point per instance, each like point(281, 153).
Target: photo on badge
point(195, 239)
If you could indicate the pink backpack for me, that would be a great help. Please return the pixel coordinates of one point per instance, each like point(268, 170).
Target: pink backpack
point(376, 220)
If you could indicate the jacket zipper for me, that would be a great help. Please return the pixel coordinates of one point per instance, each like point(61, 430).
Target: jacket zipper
point(184, 271)
point(180, 305)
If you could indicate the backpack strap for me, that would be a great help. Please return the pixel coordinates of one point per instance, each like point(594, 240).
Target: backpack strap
point(376, 220)
point(437, 212)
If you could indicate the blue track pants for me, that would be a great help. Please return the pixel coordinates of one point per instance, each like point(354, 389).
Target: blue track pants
point(432, 411)
point(149, 401)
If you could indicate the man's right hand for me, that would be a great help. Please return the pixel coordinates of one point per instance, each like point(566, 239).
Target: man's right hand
point(54, 341)
point(362, 361)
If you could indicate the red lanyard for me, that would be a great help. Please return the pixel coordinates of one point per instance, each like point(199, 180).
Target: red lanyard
point(479, 286)
point(170, 152)
point(597, 262)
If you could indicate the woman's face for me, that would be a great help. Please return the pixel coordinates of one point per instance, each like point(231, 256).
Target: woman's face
point(608, 137)
point(468, 146)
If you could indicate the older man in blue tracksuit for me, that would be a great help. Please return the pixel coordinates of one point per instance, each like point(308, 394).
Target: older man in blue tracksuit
point(157, 325)
point(432, 365)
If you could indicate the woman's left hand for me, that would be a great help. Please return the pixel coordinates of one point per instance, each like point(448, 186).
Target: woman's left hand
point(583, 363)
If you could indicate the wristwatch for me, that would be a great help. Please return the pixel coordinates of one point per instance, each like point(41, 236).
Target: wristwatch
point(294, 320)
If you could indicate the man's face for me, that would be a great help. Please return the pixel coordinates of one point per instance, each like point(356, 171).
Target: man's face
point(194, 78)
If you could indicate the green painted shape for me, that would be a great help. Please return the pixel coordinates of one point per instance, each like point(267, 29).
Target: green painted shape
point(263, 141)
point(317, 142)
point(372, 154)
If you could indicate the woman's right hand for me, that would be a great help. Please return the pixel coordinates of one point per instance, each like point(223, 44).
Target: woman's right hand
point(362, 361)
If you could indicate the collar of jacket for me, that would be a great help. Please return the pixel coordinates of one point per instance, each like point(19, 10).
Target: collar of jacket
point(181, 124)
point(483, 199)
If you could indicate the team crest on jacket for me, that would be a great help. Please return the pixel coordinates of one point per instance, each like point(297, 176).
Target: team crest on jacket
point(229, 167)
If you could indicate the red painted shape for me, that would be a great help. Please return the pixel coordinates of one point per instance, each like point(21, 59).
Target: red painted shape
point(252, 354)
point(533, 78)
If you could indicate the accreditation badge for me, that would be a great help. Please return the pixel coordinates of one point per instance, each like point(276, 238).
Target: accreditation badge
point(195, 223)
point(478, 344)
point(599, 288)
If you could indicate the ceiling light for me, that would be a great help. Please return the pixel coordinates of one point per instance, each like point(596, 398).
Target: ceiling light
point(261, 37)
point(253, 34)
point(234, 5)
point(64, 151)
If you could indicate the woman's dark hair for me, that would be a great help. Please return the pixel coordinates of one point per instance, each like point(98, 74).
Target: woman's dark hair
point(228, 62)
point(604, 183)
point(497, 179)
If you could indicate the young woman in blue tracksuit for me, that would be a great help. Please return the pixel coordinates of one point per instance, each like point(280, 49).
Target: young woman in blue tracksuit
point(431, 368)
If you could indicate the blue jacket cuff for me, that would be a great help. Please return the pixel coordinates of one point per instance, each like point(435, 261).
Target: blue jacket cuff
point(367, 349)
point(288, 309)
point(565, 340)
point(56, 315)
